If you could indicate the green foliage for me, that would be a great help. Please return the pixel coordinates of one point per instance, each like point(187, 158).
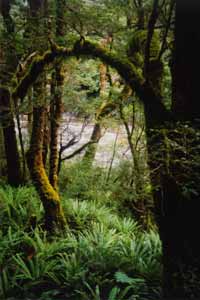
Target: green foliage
point(81, 93)
point(102, 256)
point(18, 206)
point(77, 181)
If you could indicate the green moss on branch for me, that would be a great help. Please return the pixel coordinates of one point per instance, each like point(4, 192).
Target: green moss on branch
point(154, 106)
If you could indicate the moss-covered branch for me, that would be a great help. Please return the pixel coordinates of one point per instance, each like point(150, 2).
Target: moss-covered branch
point(154, 106)
point(36, 68)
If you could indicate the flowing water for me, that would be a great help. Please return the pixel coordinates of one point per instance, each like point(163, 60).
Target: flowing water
point(113, 144)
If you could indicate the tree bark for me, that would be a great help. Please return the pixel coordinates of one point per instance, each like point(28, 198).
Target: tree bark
point(54, 216)
point(177, 190)
point(8, 65)
point(10, 140)
point(57, 85)
point(96, 133)
point(56, 112)
point(186, 62)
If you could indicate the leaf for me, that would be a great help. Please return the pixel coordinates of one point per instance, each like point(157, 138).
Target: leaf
point(123, 278)
point(113, 293)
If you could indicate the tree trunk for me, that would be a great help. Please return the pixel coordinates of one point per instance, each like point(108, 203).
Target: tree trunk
point(57, 103)
point(8, 65)
point(186, 62)
point(96, 133)
point(176, 185)
point(56, 112)
point(10, 141)
point(54, 215)
point(92, 148)
point(46, 138)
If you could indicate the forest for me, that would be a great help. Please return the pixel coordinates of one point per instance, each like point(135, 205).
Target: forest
point(99, 149)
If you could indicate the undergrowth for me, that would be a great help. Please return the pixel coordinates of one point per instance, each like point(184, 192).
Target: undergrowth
point(104, 255)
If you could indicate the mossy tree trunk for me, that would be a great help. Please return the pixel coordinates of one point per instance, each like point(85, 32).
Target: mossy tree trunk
point(46, 139)
point(57, 85)
point(54, 216)
point(56, 113)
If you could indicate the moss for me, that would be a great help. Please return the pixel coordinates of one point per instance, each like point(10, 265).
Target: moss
point(105, 109)
point(54, 215)
point(33, 71)
point(129, 72)
point(138, 43)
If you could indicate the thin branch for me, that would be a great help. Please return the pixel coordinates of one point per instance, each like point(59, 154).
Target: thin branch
point(77, 151)
point(70, 143)
point(139, 137)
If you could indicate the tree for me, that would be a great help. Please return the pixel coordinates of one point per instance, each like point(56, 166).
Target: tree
point(56, 102)
point(180, 182)
point(8, 65)
point(54, 216)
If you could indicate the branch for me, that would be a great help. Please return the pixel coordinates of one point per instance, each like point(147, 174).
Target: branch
point(133, 76)
point(36, 68)
point(139, 137)
point(71, 143)
point(79, 150)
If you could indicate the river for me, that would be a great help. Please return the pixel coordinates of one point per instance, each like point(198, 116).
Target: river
point(112, 143)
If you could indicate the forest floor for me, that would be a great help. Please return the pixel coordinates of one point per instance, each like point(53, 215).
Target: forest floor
point(103, 254)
